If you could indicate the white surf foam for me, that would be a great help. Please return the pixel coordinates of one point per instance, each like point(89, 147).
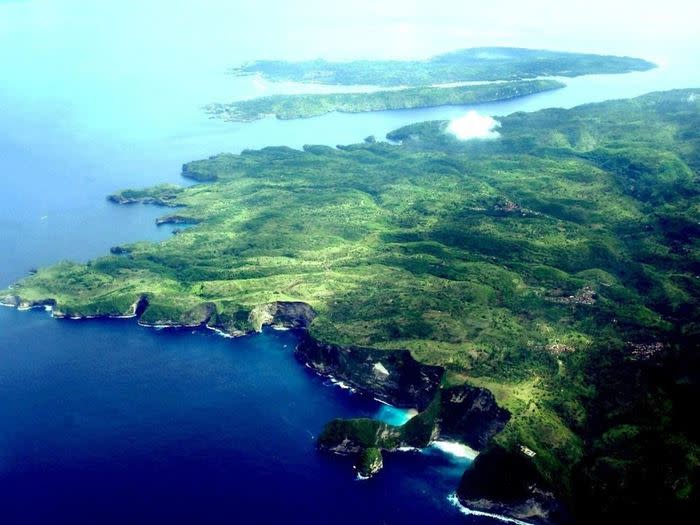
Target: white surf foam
point(341, 384)
point(408, 449)
point(455, 449)
point(469, 512)
point(219, 332)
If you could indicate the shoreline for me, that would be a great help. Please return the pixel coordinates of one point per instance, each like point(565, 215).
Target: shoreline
point(295, 106)
point(442, 445)
point(454, 500)
point(452, 449)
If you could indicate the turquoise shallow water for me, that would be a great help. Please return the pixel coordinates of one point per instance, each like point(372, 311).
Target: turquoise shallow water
point(108, 422)
point(393, 415)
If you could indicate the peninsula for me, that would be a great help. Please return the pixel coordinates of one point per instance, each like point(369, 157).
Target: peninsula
point(312, 105)
point(534, 295)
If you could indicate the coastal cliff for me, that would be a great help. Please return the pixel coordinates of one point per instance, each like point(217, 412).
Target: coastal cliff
point(463, 413)
point(467, 414)
point(471, 415)
point(162, 195)
point(194, 317)
point(282, 314)
point(176, 219)
point(508, 484)
point(394, 377)
point(15, 301)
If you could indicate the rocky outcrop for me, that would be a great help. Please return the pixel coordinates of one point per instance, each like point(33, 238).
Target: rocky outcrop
point(139, 307)
point(16, 301)
point(539, 508)
point(196, 317)
point(125, 198)
point(37, 303)
point(176, 219)
point(362, 438)
point(370, 462)
point(11, 300)
point(349, 436)
point(120, 250)
point(470, 414)
point(278, 314)
point(466, 414)
point(508, 484)
point(136, 309)
point(163, 195)
point(282, 314)
point(393, 376)
point(199, 170)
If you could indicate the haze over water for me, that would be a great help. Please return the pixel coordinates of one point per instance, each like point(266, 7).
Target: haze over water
point(109, 422)
point(101, 96)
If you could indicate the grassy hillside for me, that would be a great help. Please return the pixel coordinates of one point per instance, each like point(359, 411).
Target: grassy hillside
point(558, 266)
point(312, 105)
point(482, 63)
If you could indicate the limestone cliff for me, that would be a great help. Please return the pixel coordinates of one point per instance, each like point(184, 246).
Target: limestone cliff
point(470, 415)
point(391, 376)
point(508, 484)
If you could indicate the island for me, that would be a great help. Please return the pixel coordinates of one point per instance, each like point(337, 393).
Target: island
point(491, 74)
point(464, 65)
point(312, 105)
point(535, 295)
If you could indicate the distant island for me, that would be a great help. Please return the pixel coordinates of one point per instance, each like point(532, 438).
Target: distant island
point(534, 296)
point(503, 74)
point(312, 105)
point(465, 65)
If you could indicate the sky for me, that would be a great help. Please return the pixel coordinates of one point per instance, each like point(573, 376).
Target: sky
point(108, 89)
point(361, 28)
point(68, 54)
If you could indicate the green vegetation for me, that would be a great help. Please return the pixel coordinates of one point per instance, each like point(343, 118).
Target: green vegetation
point(312, 105)
point(163, 195)
point(420, 80)
point(475, 64)
point(362, 433)
point(370, 462)
point(556, 266)
point(366, 438)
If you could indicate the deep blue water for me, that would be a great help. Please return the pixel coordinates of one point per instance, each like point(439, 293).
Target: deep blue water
point(109, 422)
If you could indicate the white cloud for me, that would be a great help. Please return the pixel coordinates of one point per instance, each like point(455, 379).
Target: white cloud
point(474, 126)
point(260, 84)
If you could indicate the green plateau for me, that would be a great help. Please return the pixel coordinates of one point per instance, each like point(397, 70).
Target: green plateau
point(556, 267)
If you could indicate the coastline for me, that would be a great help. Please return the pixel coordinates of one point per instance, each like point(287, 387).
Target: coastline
point(446, 446)
point(366, 368)
point(454, 500)
point(305, 106)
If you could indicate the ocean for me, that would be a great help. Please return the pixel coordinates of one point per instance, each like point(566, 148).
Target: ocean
point(109, 422)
